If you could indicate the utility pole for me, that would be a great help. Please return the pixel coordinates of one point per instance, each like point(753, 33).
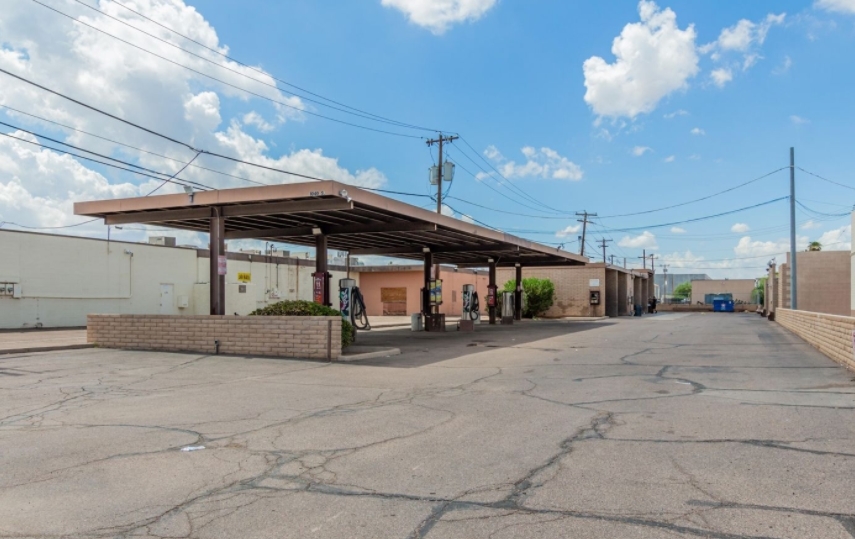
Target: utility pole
point(584, 220)
point(431, 142)
point(665, 282)
point(643, 258)
point(612, 260)
point(793, 281)
point(603, 243)
point(439, 142)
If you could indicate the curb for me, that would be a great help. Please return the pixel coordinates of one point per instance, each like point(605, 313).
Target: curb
point(45, 348)
point(369, 355)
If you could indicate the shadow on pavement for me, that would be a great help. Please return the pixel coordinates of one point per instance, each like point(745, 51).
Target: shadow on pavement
point(423, 348)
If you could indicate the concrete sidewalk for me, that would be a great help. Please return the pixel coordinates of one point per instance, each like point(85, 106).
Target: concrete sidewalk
point(42, 340)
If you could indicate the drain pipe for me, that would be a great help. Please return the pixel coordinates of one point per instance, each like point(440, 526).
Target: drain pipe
point(216, 348)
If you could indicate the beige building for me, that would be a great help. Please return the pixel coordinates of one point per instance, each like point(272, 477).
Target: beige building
point(615, 289)
point(824, 282)
point(55, 281)
point(741, 289)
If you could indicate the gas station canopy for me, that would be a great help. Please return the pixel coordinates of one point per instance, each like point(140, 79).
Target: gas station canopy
point(348, 218)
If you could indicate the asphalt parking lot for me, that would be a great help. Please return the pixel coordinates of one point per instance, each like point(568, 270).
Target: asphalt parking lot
point(702, 425)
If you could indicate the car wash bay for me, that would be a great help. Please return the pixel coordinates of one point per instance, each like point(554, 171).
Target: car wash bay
point(330, 215)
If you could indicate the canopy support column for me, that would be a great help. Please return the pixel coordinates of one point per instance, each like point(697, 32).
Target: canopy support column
point(518, 293)
point(217, 286)
point(492, 284)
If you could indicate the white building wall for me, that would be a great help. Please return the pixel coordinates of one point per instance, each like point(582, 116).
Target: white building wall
point(61, 279)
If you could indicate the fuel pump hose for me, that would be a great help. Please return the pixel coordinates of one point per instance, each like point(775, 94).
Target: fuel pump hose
point(359, 315)
point(475, 313)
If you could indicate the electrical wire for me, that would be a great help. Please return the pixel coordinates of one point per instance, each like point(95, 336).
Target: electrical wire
point(735, 187)
point(367, 116)
point(48, 227)
point(243, 64)
point(825, 179)
point(173, 176)
point(106, 139)
point(508, 181)
point(59, 150)
point(178, 180)
point(161, 135)
point(221, 81)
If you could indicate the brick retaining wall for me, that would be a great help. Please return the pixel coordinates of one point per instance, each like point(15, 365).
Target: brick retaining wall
point(311, 337)
point(830, 334)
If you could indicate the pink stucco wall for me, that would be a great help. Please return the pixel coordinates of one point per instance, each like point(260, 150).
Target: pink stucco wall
point(370, 282)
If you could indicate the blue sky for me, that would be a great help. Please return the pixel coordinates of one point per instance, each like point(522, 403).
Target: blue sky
point(704, 96)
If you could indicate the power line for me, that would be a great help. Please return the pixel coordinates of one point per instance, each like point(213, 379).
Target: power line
point(173, 176)
point(825, 179)
point(47, 227)
point(159, 178)
point(236, 87)
point(200, 167)
point(165, 137)
point(243, 64)
point(102, 155)
point(509, 183)
point(698, 199)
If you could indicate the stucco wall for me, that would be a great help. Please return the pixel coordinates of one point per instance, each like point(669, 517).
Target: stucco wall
point(64, 278)
point(372, 282)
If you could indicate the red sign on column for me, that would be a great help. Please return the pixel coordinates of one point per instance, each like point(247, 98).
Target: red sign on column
point(222, 265)
point(319, 282)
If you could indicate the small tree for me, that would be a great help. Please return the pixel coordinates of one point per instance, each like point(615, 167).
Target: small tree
point(683, 290)
point(759, 292)
point(539, 295)
point(814, 246)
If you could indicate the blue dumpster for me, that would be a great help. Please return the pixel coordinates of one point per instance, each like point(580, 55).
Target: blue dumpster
point(723, 305)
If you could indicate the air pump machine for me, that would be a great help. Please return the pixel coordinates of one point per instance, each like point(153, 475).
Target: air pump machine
point(471, 304)
point(352, 304)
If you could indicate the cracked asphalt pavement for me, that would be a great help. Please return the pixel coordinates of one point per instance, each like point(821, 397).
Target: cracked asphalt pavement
point(700, 425)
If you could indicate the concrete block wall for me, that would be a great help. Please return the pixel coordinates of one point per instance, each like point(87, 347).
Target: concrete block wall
point(830, 334)
point(309, 337)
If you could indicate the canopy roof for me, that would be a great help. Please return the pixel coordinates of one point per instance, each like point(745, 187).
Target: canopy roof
point(353, 219)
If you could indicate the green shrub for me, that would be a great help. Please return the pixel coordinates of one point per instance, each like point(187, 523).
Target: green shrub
point(307, 308)
point(539, 295)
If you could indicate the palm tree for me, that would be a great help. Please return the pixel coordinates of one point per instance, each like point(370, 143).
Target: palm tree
point(814, 246)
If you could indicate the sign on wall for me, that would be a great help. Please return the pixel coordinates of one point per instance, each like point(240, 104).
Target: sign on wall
point(222, 265)
point(244, 277)
point(594, 282)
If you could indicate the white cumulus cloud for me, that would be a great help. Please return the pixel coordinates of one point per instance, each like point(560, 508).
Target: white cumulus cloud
point(638, 151)
point(438, 15)
point(698, 131)
point(669, 159)
point(810, 225)
point(721, 76)
point(677, 230)
point(740, 228)
point(568, 231)
point(745, 38)
point(645, 240)
point(39, 185)
point(839, 6)
point(839, 239)
point(540, 163)
point(798, 120)
point(653, 58)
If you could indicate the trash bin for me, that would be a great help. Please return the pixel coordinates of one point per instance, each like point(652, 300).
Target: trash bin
point(638, 310)
point(416, 322)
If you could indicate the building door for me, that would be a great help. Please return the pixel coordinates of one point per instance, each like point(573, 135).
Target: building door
point(394, 301)
point(167, 299)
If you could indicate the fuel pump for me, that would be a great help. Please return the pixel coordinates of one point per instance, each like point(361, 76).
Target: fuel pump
point(352, 304)
point(471, 304)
